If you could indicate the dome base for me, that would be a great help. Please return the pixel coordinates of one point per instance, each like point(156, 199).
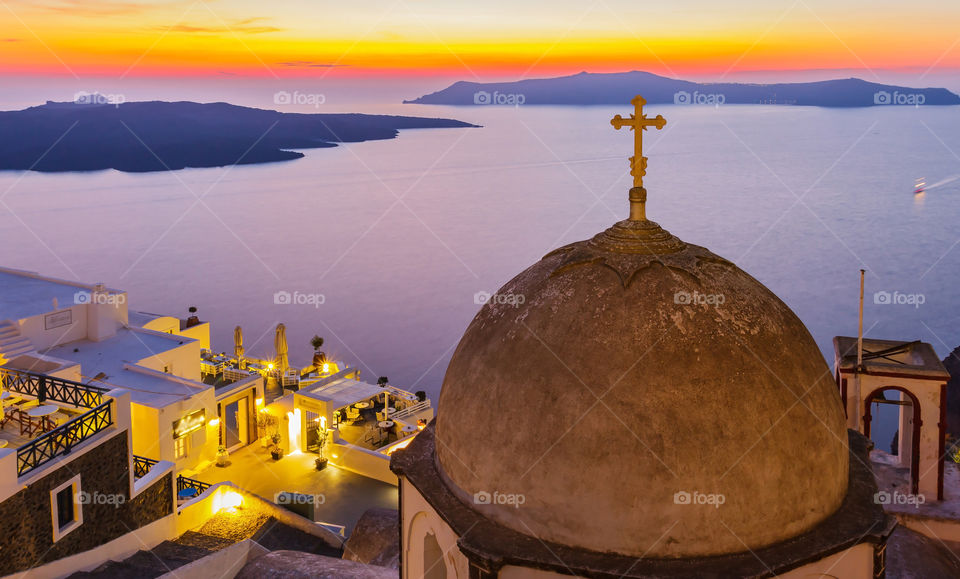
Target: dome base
point(638, 237)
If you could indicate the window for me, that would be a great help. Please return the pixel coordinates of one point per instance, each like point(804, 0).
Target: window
point(180, 447)
point(66, 508)
point(168, 368)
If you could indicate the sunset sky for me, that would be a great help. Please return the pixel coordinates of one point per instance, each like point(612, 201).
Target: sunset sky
point(507, 39)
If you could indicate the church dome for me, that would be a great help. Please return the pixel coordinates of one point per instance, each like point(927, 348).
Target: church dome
point(639, 395)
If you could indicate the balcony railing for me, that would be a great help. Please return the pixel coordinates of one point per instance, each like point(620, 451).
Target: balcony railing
point(190, 484)
point(45, 388)
point(141, 466)
point(62, 439)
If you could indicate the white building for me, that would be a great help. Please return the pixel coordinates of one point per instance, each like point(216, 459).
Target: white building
point(86, 333)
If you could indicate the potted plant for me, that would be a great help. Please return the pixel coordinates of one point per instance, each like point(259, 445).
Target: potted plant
point(265, 422)
point(222, 455)
point(319, 358)
point(276, 451)
point(321, 461)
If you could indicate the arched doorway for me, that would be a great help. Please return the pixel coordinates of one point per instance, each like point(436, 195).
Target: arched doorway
point(914, 439)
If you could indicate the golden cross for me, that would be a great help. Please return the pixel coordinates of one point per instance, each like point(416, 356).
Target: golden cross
point(638, 122)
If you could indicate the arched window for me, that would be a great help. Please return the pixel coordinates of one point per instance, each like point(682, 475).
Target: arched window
point(433, 565)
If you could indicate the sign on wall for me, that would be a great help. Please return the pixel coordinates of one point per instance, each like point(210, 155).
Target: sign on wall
point(189, 423)
point(57, 319)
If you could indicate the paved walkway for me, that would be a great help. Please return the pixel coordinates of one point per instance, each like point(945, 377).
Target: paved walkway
point(346, 495)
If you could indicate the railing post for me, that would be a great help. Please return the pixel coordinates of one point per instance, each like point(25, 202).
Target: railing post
point(42, 390)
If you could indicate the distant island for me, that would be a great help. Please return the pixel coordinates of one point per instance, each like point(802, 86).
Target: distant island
point(618, 88)
point(161, 136)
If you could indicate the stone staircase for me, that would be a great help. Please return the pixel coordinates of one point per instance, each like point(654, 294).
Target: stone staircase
point(12, 344)
point(165, 557)
point(220, 531)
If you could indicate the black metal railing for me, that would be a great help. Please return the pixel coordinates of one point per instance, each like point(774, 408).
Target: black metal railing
point(141, 466)
point(184, 483)
point(62, 439)
point(45, 388)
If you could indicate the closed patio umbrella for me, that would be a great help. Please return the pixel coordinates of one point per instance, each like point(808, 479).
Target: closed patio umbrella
point(238, 345)
point(280, 344)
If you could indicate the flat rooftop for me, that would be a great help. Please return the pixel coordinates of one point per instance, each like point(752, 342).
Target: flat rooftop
point(25, 294)
point(113, 356)
point(342, 392)
point(891, 356)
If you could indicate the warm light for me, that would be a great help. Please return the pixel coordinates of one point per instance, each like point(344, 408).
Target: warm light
point(326, 368)
point(293, 430)
point(270, 366)
point(402, 444)
point(335, 456)
point(264, 410)
point(231, 500)
point(258, 401)
point(214, 422)
point(323, 422)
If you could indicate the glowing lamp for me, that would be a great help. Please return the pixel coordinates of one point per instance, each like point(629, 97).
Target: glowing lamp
point(326, 368)
point(214, 422)
point(258, 401)
point(231, 500)
point(270, 366)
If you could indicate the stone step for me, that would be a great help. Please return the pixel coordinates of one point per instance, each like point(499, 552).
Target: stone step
point(203, 541)
point(9, 341)
point(11, 353)
point(165, 557)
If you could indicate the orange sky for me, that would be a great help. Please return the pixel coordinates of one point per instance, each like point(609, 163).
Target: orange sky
point(497, 38)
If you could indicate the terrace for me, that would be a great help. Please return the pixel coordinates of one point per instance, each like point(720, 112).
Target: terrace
point(44, 416)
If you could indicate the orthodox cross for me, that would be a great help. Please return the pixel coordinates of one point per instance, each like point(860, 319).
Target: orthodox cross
point(638, 122)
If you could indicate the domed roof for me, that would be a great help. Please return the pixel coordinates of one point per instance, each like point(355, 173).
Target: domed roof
point(639, 383)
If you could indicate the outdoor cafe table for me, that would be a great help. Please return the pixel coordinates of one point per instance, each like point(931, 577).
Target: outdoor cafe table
point(3, 443)
point(43, 413)
point(409, 428)
point(362, 405)
point(391, 409)
point(385, 424)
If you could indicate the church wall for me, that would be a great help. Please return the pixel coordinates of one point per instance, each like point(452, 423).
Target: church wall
point(928, 393)
point(419, 519)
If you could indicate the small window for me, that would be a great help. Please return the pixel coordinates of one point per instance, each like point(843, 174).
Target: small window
point(66, 508)
point(180, 447)
point(168, 368)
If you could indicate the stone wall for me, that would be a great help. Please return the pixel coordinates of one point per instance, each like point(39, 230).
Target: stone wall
point(26, 521)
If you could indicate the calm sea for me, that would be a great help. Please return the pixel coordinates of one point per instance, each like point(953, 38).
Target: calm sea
point(398, 236)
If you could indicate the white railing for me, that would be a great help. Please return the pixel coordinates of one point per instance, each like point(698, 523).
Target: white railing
point(411, 410)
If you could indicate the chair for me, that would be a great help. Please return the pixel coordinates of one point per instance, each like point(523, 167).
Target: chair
point(353, 414)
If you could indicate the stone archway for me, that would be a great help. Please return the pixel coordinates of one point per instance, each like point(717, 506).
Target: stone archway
point(915, 438)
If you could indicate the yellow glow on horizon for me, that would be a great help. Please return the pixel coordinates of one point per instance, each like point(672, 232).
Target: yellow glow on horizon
point(145, 40)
